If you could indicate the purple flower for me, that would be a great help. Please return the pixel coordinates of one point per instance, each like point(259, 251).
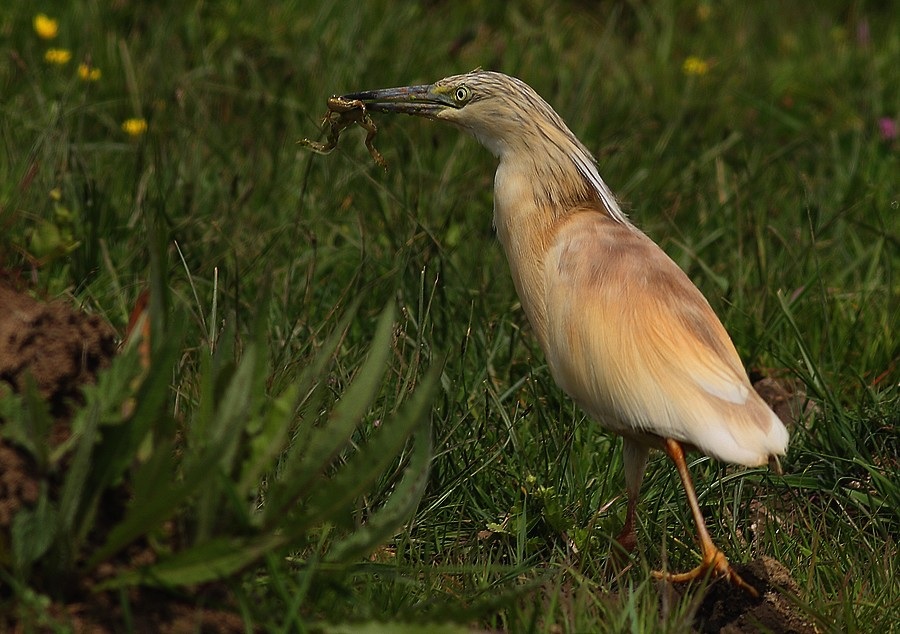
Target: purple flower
point(888, 128)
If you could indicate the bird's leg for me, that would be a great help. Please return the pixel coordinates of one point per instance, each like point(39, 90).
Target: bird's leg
point(714, 560)
point(635, 461)
point(619, 558)
point(627, 537)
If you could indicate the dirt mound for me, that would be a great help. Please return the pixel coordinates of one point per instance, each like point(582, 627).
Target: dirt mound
point(725, 610)
point(60, 348)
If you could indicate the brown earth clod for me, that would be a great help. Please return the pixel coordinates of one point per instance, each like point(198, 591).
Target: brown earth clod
point(60, 348)
point(727, 610)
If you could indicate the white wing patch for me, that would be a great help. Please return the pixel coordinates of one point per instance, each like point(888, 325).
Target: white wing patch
point(588, 169)
point(723, 388)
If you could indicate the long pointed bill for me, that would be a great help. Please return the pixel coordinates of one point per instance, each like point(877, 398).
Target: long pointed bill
point(415, 100)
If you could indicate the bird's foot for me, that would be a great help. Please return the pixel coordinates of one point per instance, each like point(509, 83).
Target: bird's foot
point(714, 564)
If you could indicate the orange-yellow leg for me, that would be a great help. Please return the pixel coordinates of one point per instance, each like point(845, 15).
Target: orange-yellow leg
point(714, 560)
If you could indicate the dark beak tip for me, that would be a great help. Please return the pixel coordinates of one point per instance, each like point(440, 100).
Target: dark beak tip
point(358, 96)
point(401, 94)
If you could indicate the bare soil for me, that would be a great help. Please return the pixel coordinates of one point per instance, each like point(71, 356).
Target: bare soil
point(727, 610)
point(60, 348)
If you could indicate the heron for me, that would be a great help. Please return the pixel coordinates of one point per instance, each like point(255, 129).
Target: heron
point(625, 332)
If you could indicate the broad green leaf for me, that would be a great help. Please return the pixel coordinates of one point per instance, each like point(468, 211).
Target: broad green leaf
point(26, 421)
point(73, 497)
point(269, 433)
point(233, 409)
point(114, 385)
point(120, 444)
point(216, 559)
point(148, 512)
point(222, 557)
point(391, 627)
point(270, 437)
point(230, 394)
point(231, 414)
point(369, 462)
point(399, 507)
point(212, 369)
point(33, 531)
point(309, 458)
point(101, 417)
point(153, 477)
point(104, 406)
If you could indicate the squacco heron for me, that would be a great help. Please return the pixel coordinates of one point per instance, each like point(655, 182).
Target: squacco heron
point(625, 332)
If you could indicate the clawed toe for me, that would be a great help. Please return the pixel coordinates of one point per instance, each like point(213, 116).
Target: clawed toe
point(713, 565)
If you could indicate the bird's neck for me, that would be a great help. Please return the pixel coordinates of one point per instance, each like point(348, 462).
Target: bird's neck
point(534, 195)
point(527, 213)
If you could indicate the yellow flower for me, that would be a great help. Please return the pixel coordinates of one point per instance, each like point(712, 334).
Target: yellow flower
point(88, 73)
point(134, 127)
point(695, 66)
point(45, 27)
point(58, 56)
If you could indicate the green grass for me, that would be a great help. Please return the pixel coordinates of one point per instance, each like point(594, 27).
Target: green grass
point(766, 179)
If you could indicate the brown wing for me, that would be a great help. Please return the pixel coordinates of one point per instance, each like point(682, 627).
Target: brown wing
point(636, 344)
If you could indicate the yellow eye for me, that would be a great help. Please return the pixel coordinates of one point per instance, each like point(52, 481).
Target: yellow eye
point(462, 94)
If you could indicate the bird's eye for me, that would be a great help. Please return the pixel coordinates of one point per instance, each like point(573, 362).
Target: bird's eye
point(462, 94)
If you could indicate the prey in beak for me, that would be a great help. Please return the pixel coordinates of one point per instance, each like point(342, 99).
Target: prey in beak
point(443, 99)
point(342, 114)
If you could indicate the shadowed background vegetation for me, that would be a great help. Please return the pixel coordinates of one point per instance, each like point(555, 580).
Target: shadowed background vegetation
point(757, 143)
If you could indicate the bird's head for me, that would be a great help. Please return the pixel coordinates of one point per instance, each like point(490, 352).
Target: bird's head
point(512, 121)
point(498, 109)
